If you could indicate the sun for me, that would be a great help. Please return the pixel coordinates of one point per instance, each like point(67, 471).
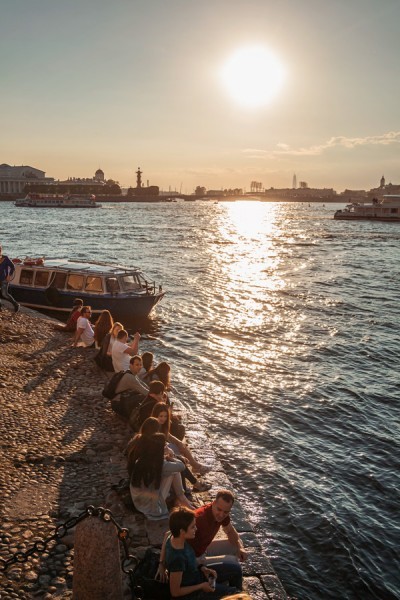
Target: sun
point(253, 76)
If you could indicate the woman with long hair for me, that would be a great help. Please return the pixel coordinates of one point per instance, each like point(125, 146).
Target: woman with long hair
point(162, 413)
point(162, 372)
point(103, 357)
point(147, 363)
point(149, 428)
point(153, 474)
point(102, 326)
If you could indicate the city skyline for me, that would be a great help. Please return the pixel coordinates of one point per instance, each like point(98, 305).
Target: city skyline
point(89, 84)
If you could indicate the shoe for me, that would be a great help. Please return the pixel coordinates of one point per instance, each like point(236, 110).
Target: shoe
point(201, 486)
point(16, 308)
point(203, 469)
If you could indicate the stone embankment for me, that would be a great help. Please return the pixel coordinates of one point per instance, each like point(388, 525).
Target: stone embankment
point(61, 449)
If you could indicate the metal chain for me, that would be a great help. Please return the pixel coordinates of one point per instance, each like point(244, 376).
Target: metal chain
point(128, 562)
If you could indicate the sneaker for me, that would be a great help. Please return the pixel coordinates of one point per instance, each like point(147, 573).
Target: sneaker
point(201, 486)
point(203, 469)
point(16, 308)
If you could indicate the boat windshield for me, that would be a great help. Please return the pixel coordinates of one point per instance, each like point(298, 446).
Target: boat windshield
point(112, 285)
point(131, 282)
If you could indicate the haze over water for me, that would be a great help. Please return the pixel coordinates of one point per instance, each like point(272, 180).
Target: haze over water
point(282, 329)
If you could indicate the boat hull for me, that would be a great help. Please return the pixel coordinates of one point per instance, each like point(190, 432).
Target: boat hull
point(344, 217)
point(124, 308)
point(23, 205)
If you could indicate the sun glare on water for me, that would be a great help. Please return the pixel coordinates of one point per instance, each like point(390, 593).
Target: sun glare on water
point(253, 76)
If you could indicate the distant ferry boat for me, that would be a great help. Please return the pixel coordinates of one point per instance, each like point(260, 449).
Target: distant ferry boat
point(53, 285)
point(386, 209)
point(56, 201)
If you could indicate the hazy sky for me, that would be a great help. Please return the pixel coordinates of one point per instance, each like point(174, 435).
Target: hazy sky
point(95, 83)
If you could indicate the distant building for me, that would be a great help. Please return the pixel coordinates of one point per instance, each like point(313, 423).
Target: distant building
point(294, 183)
point(200, 191)
point(98, 179)
point(215, 193)
point(301, 194)
point(382, 183)
point(99, 175)
point(350, 194)
point(149, 191)
point(256, 187)
point(303, 185)
point(14, 179)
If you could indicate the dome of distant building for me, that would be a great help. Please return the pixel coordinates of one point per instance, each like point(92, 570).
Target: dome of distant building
point(99, 175)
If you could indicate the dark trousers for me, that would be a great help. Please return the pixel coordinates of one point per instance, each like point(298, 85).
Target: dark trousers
point(4, 293)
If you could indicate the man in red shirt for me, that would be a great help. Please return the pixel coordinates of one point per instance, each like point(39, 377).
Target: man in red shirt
point(222, 554)
point(73, 317)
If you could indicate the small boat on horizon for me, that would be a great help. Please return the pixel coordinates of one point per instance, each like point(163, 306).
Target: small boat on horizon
point(34, 200)
point(385, 209)
point(53, 285)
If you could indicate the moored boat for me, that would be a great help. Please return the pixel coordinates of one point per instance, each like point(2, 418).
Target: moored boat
point(32, 200)
point(385, 209)
point(53, 285)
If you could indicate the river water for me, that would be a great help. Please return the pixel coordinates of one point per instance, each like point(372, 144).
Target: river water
point(282, 328)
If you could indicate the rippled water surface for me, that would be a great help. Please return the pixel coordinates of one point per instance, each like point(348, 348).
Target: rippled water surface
point(282, 328)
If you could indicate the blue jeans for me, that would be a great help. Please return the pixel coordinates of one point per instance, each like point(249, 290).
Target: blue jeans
point(220, 592)
point(221, 556)
point(6, 295)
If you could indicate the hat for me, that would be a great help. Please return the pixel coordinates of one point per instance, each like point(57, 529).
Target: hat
point(77, 301)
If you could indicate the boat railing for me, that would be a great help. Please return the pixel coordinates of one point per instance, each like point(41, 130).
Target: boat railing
point(106, 264)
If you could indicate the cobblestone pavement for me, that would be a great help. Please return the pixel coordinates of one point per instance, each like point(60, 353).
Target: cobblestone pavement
point(61, 449)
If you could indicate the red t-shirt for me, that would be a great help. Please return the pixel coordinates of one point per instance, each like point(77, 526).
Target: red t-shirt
point(207, 528)
point(73, 320)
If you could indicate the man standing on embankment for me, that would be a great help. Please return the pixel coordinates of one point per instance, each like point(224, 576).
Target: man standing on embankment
point(6, 271)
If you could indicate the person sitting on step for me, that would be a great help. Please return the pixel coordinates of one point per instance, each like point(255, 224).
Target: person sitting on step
point(84, 335)
point(186, 577)
point(73, 317)
point(122, 351)
point(153, 473)
point(162, 412)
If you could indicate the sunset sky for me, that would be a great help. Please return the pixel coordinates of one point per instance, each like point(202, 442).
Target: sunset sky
point(128, 83)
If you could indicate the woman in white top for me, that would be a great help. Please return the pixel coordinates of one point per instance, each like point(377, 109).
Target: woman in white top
point(103, 358)
point(116, 328)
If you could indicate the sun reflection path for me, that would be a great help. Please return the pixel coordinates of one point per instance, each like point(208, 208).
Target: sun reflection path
point(254, 319)
point(248, 264)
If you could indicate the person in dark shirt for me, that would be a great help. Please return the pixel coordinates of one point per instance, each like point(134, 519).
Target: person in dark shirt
point(223, 555)
point(7, 270)
point(155, 394)
point(73, 317)
point(186, 577)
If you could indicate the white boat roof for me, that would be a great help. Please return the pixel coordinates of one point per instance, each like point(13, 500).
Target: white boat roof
point(90, 267)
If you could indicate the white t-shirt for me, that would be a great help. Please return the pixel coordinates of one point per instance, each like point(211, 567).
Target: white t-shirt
point(120, 359)
point(87, 335)
point(111, 344)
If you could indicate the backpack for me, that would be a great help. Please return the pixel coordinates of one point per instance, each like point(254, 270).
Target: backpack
point(142, 578)
point(134, 418)
point(111, 385)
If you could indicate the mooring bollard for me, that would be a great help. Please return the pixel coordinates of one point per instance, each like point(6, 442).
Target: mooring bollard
point(97, 564)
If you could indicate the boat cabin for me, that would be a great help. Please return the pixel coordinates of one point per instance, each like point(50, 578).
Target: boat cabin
point(89, 278)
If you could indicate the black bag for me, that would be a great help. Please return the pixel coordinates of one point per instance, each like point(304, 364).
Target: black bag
point(111, 385)
point(143, 577)
point(128, 402)
point(134, 418)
